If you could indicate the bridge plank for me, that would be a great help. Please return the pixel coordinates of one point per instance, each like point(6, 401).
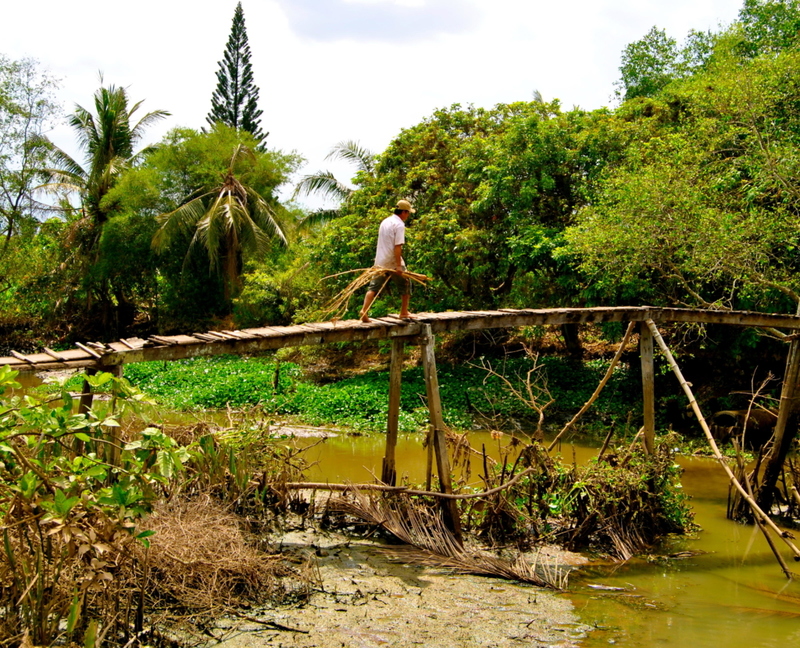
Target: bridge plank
point(265, 331)
point(48, 351)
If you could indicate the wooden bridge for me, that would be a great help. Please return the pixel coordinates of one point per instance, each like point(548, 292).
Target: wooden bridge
point(104, 356)
point(98, 356)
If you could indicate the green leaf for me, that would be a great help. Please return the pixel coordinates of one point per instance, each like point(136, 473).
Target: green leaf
point(90, 638)
point(74, 613)
point(165, 464)
point(63, 504)
point(96, 471)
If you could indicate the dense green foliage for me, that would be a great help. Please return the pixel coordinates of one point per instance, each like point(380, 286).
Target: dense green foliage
point(198, 205)
point(468, 393)
point(77, 554)
point(685, 193)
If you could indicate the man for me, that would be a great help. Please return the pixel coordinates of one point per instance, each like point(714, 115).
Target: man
point(389, 256)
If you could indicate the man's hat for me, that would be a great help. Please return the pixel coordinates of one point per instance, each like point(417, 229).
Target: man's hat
point(405, 206)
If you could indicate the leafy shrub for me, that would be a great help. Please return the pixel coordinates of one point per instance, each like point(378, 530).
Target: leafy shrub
point(75, 491)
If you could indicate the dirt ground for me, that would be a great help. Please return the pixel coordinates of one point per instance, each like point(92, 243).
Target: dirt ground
point(369, 599)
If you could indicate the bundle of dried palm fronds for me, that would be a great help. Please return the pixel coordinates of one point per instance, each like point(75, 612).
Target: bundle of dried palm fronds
point(338, 306)
point(434, 544)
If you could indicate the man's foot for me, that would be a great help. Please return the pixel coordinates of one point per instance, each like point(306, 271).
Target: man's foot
point(406, 316)
point(364, 317)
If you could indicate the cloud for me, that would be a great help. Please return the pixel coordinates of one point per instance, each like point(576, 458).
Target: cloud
point(387, 21)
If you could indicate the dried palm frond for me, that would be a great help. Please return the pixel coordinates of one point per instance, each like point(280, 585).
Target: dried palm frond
point(338, 306)
point(434, 545)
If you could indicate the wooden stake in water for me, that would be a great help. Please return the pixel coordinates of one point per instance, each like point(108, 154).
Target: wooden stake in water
point(389, 472)
point(449, 507)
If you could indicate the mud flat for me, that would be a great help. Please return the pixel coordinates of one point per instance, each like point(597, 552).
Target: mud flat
point(369, 598)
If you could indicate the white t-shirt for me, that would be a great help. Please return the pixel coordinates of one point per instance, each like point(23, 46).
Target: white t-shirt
point(392, 232)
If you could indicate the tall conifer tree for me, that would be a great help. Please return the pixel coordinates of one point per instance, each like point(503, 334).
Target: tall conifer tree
point(235, 100)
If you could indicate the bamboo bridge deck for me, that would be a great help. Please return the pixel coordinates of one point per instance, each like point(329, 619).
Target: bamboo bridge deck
point(253, 340)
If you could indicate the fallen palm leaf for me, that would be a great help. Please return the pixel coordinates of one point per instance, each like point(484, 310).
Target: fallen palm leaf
point(338, 306)
point(433, 544)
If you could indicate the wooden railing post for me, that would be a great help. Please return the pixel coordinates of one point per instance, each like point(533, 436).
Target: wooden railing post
point(87, 395)
point(449, 506)
point(648, 387)
point(389, 472)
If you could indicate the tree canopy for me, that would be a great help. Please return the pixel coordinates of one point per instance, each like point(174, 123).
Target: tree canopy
point(235, 99)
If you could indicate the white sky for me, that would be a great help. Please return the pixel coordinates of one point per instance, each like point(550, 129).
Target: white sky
point(333, 70)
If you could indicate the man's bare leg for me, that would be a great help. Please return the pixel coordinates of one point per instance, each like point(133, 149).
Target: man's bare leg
point(368, 299)
point(404, 314)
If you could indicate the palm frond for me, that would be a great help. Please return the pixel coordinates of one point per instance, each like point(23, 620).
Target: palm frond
point(325, 184)
point(319, 218)
point(182, 219)
point(241, 152)
point(137, 131)
point(352, 151)
point(265, 216)
point(65, 165)
point(422, 527)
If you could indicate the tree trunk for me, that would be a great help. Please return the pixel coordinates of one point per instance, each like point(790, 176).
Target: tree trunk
point(782, 437)
point(572, 342)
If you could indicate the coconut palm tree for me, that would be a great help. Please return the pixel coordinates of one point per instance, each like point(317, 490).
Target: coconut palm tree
point(108, 138)
point(225, 220)
point(325, 184)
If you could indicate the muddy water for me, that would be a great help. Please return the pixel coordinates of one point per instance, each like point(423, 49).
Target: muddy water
point(731, 594)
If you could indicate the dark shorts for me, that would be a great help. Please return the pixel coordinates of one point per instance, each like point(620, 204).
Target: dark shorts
point(381, 281)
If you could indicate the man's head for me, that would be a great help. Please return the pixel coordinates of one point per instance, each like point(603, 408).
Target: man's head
point(403, 209)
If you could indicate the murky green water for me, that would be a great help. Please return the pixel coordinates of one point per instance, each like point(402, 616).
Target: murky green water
point(732, 595)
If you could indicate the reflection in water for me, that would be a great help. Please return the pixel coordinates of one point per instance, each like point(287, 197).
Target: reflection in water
point(727, 590)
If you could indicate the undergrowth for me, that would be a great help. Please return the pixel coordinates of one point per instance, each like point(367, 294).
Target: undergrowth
point(619, 503)
point(110, 532)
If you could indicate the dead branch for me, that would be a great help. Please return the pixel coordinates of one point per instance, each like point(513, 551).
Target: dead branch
point(435, 544)
point(383, 488)
point(535, 388)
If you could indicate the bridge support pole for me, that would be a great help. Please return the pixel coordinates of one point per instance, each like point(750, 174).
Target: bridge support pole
point(87, 396)
point(115, 447)
point(388, 472)
point(449, 506)
point(84, 405)
point(648, 386)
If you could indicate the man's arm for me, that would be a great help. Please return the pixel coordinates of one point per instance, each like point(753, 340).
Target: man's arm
point(398, 257)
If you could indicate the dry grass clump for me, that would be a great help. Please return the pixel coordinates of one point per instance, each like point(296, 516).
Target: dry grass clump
point(200, 560)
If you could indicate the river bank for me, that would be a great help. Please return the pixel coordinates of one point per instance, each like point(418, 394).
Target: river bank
point(368, 598)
